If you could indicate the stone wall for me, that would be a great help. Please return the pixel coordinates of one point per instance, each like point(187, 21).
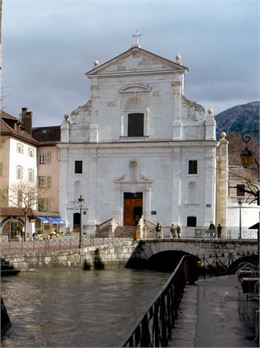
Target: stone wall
point(110, 255)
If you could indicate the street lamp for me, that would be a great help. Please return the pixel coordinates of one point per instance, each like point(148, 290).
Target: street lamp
point(240, 201)
point(81, 201)
point(246, 157)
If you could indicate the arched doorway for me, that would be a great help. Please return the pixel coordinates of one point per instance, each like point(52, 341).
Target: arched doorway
point(13, 229)
point(76, 222)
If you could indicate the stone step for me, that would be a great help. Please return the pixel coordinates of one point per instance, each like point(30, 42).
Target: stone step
point(124, 231)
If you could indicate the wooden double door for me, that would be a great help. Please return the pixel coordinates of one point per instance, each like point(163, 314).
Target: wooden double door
point(133, 208)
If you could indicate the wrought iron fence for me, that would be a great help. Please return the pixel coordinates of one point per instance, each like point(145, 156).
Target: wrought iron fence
point(154, 329)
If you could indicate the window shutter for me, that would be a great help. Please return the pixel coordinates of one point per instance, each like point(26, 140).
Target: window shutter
point(49, 157)
point(48, 181)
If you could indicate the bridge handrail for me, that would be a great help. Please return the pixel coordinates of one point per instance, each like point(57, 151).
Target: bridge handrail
point(155, 326)
point(149, 223)
point(107, 222)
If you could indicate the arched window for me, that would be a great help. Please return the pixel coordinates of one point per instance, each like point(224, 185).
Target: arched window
point(19, 172)
point(135, 117)
point(191, 221)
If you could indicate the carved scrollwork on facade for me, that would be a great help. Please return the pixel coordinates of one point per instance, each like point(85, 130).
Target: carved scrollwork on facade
point(83, 108)
point(194, 110)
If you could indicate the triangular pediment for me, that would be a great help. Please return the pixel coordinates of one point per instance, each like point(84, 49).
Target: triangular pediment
point(136, 60)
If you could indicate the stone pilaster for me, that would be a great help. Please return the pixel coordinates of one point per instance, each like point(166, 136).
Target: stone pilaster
point(176, 121)
point(222, 181)
point(210, 125)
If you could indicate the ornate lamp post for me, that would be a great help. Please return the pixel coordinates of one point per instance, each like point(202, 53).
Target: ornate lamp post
point(81, 201)
point(247, 158)
point(240, 201)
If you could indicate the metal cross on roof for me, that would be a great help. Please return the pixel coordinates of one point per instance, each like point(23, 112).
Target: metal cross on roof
point(137, 35)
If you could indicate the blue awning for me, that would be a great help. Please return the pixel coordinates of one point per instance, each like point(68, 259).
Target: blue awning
point(51, 219)
point(55, 220)
point(60, 221)
point(43, 219)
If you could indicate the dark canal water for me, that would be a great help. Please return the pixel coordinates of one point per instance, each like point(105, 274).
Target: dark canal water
point(75, 308)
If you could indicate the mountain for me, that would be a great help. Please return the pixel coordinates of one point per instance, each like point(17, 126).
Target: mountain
point(234, 122)
point(239, 118)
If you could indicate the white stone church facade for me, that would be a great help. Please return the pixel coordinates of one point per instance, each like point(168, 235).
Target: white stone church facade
point(140, 147)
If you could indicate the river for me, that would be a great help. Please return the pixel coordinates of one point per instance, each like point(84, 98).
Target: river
point(76, 308)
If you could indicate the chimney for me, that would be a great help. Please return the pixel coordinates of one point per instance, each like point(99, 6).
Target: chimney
point(27, 120)
point(17, 126)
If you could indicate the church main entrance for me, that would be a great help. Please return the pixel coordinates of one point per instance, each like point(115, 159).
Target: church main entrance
point(133, 208)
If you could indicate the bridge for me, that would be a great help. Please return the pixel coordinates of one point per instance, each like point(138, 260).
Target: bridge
point(165, 253)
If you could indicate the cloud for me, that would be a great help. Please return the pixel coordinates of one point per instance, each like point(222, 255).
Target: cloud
point(48, 45)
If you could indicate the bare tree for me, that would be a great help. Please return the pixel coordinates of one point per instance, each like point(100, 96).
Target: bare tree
point(249, 177)
point(25, 195)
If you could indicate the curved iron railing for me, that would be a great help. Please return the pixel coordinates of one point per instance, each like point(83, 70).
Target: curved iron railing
point(155, 326)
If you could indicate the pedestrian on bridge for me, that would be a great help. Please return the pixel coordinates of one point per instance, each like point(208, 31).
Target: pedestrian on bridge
point(212, 230)
point(158, 229)
point(178, 231)
point(219, 229)
point(173, 230)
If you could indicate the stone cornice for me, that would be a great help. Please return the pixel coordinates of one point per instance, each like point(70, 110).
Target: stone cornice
point(143, 144)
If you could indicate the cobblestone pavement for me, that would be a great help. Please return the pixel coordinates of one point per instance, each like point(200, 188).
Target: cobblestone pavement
point(209, 316)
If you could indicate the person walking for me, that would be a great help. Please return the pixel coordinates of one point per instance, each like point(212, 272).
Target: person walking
point(173, 230)
point(178, 231)
point(219, 230)
point(158, 229)
point(141, 226)
point(212, 230)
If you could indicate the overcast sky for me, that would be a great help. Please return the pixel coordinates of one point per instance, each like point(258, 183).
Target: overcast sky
point(48, 45)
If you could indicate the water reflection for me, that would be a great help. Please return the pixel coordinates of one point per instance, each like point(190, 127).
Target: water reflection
point(61, 308)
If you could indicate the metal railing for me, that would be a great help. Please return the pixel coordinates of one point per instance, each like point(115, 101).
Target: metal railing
point(154, 329)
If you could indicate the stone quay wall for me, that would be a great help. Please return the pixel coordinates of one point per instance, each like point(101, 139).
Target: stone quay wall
point(113, 254)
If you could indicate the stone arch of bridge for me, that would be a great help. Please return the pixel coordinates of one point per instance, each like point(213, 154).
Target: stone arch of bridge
point(166, 260)
point(212, 254)
point(253, 258)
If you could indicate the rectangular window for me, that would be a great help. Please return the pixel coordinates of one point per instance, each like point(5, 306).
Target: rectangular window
point(42, 159)
point(135, 125)
point(45, 158)
point(44, 182)
point(1, 169)
point(191, 221)
point(44, 204)
point(2, 143)
point(41, 181)
point(78, 167)
point(240, 190)
point(193, 167)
